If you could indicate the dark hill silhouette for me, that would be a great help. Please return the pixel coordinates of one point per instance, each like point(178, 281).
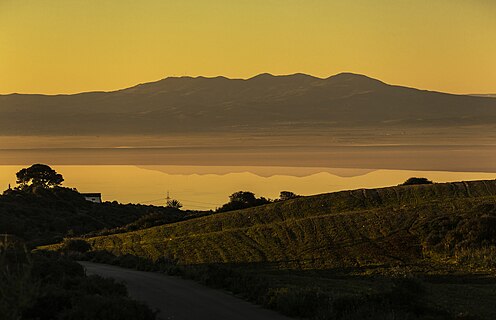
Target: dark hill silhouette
point(187, 104)
point(41, 216)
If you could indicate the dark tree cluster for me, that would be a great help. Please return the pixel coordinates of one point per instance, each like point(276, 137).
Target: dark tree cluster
point(242, 200)
point(415, 180)
point(38, 176)
point(246, 199)
point(286, 195)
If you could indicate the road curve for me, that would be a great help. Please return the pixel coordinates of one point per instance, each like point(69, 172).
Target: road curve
point(180, 299)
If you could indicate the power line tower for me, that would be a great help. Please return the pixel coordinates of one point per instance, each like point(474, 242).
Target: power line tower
point(167, 199)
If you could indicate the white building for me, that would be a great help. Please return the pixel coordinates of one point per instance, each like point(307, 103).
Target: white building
point(93, 197)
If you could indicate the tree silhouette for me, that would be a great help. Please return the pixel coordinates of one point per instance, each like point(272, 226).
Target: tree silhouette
point(286, 195)
point(241, 200)
point(415, 180)
point(245, 197)
point(38, 175)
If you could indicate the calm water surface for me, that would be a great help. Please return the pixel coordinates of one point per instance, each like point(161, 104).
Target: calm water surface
point(207, 187)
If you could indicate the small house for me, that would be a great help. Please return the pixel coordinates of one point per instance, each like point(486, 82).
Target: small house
point(93, 197)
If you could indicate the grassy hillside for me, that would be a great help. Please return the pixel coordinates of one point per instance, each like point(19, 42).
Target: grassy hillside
point(395, 225)
point(405, 252)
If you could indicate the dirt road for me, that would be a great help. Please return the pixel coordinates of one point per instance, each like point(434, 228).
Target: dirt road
point(181, 299)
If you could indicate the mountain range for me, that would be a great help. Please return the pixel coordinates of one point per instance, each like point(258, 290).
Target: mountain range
point(187, 104)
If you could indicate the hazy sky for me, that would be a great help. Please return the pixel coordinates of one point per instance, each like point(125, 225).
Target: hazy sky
point(66, 46)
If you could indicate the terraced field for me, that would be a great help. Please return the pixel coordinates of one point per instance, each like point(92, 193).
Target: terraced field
point(388, 226)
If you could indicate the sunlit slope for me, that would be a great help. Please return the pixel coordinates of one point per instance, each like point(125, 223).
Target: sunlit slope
point(350, 228)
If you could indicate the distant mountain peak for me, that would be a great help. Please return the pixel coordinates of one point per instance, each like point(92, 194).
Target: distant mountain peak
point(202, 104)
point(352, 76)
point(262, 76)
point(355, 80)
point(349, 74)
point(287, 78)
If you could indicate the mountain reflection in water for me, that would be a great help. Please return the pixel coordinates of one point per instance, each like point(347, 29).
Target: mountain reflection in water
point(207, 187)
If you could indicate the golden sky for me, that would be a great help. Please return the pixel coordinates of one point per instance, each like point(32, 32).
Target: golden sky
point(67, 46)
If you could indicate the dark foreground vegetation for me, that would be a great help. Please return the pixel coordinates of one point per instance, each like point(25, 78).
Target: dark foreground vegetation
point(43, 216)
point(310, 294)
point(41, 211)
point(409, 252)
point(47, 285)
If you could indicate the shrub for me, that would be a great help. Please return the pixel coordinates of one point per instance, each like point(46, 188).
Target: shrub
point(309, 303)
point(108, 308)
point(286, 195)
point(414, 180)
point(18, 288)
point(46, 286)
point(76, 245)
